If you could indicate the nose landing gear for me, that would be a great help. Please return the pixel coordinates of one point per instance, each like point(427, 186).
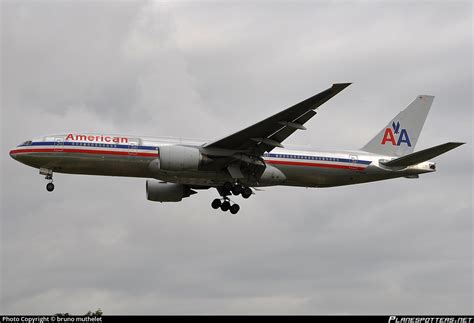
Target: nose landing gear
point(50, 187)
point(49, 177)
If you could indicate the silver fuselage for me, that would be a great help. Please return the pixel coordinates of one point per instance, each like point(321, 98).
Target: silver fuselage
point(118, 155)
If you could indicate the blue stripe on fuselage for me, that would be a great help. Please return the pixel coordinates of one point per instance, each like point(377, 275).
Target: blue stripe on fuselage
point(87, 144)
point(317, 158)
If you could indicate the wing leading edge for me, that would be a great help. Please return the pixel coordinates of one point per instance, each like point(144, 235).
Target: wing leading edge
point(271, 132)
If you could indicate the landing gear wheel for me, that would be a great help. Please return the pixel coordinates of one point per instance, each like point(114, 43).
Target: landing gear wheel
point(247, 192)
point(216, 204)
point(234, 208)
point(50, 187)
point(225, 206)
point(237, 189)
point(228, 186)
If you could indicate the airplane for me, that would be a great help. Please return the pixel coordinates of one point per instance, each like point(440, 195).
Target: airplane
point(242, 162)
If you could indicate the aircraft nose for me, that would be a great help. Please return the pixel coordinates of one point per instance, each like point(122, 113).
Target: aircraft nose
point(12, 154)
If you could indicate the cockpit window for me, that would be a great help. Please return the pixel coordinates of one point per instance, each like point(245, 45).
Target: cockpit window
point(26, 143)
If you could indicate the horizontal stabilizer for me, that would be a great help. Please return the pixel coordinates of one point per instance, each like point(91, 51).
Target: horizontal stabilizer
point(422, 155)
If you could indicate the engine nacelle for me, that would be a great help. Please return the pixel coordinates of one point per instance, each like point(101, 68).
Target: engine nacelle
point(166, 192)
point(272, 175)
point(178, 158)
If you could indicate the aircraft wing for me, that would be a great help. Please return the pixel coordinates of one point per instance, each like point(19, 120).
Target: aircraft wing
point(270, 133)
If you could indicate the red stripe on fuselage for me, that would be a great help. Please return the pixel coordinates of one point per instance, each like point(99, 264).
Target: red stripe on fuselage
point(292, 163)
point(82, 151)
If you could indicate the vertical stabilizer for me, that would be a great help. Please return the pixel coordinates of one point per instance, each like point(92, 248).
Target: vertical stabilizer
point(399, 137)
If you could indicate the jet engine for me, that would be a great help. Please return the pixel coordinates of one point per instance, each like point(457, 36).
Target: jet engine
point(178, 158)
point(166, 192)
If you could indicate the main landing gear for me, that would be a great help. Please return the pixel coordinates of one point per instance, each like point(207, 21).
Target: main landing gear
point(49, 177)
point(225, 205)
point(227, 189)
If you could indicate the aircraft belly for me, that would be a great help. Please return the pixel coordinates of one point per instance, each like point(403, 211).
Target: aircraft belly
point(328, 177)
point(130, 166)
point(127, 166)
point(312, 176)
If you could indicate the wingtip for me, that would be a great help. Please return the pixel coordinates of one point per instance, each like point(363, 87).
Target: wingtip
point(454, 144)
point(340, 86)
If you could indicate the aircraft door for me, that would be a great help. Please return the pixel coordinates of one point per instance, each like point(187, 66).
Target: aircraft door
point(353, 161)
point(132, 147)
point(58, 144)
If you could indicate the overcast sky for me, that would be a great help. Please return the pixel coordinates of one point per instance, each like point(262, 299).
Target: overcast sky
point(207, 69)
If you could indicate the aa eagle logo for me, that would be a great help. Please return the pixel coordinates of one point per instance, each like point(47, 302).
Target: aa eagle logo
point(390, 135)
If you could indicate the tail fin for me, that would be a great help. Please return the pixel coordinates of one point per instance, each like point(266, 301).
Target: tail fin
point(399, 137)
